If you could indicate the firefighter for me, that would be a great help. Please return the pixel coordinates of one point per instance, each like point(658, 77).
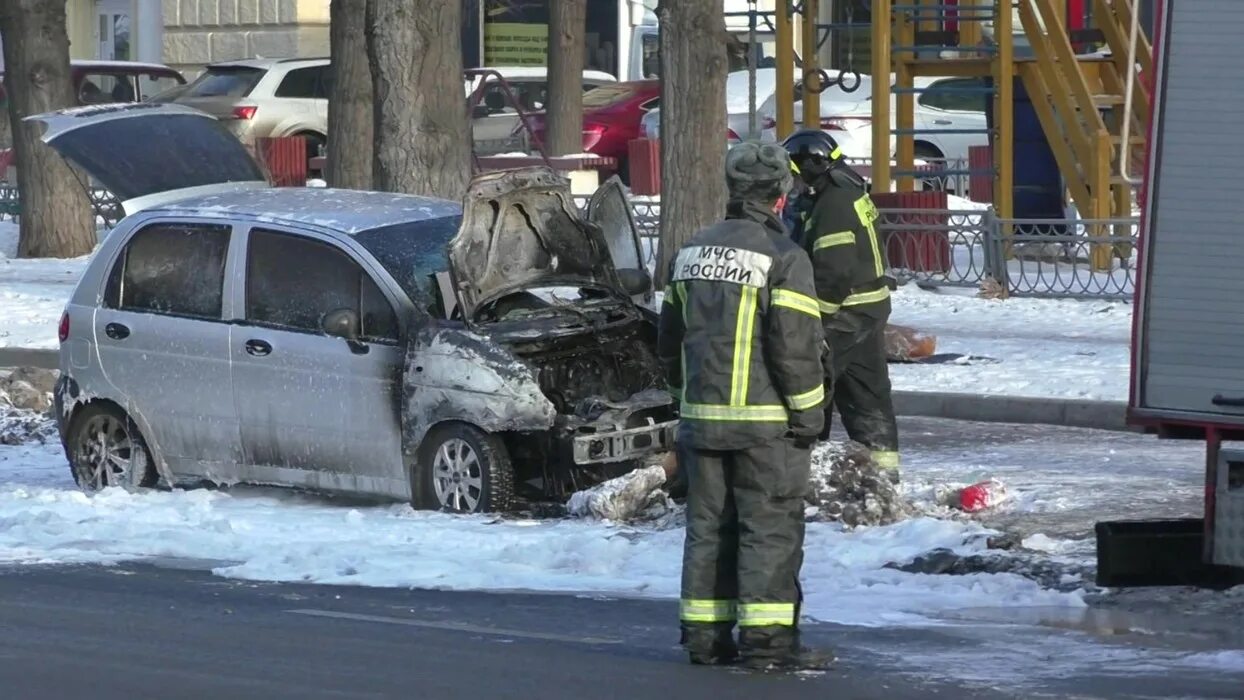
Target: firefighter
point(741, 343)
point(853, 293)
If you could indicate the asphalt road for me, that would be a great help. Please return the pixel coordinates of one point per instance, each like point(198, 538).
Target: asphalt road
point(144, 631)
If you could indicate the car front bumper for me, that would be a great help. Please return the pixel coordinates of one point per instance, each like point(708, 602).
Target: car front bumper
point(623, 445)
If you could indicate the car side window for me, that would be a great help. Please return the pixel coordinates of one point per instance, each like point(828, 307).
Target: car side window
point(177, 269)
point(102, 88)
point(292, 282)
point(956, 98)
point(302, 83)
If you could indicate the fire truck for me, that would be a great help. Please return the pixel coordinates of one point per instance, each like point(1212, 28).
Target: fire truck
point(1188, 336)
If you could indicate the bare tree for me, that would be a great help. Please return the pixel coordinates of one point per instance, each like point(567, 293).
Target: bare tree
point(567, 46)
point(56, 219)
point(350, 139)
point(693, 121)
point(421, 128)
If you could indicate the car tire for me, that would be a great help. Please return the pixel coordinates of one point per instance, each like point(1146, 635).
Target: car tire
point(105, 448)
point(462, 469)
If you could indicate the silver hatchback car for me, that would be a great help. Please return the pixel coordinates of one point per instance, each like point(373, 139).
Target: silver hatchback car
point(456, 355)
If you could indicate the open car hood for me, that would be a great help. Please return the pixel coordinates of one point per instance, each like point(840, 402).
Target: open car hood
point(521, 229)
point(142, 150)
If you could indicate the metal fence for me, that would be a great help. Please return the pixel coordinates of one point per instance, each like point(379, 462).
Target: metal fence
point(1024, 257)
point(975, 249)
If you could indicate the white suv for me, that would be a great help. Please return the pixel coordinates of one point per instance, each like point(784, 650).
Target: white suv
point(263, 97)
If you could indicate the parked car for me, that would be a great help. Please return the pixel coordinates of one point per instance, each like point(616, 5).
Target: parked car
point(738, 106)
point(369, 343)
point(99, 82)
point(265, 97)
point(611, 118)
point(495, 120)
point(944, 104)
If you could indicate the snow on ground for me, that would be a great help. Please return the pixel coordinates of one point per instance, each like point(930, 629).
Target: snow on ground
point(267, 534)
point(1054, 348)
point(32, 294)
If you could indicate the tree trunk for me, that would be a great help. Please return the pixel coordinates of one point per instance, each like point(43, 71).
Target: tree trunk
point(421, 127)
point(693, 122)
point(56, 217)
point(350, 104)
point(567, 49)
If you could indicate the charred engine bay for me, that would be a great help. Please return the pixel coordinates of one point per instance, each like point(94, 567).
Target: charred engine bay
point(585, 375)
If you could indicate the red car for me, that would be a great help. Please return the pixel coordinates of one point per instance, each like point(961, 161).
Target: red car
point(611, 116)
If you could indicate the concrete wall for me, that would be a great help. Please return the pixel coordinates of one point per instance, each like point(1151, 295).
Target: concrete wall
point(197, 32)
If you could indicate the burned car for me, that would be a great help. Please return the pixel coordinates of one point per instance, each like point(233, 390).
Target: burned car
point(456, 355)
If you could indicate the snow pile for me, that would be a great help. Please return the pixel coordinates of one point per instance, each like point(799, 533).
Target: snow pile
point(25, 406)
point(269, 535)
point(849, 487)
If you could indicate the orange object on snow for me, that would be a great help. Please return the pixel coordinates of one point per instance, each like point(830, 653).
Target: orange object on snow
point(903, 343)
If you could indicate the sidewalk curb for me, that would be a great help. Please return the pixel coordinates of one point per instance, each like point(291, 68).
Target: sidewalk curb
point(1075, 413)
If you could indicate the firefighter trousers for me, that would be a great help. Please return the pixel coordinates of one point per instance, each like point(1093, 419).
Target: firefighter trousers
point(744, 548)
point(860, 384)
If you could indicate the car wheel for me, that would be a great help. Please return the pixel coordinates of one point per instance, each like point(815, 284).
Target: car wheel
point(105, 449)
point(462, 469)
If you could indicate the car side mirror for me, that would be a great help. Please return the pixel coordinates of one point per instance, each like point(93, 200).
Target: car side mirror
point(342, 323)
point(635, 282)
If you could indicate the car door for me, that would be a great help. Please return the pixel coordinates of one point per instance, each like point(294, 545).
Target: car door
point(609, 209)
point(303, 105)
point(164, 344)
point(956, 107)
point(315, 410)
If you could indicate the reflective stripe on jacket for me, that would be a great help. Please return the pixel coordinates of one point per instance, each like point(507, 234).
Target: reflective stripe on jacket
point(847, 258)
point(740, 335)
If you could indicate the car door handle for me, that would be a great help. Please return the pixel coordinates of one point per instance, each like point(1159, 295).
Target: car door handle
point(941, 121)
point(258, 348)
point(116, 331)
point(1233, 401)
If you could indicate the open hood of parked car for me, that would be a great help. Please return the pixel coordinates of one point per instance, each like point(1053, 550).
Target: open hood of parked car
point(521, 230)
point(139, 150)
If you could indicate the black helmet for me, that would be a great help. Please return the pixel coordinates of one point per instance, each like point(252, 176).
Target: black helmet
point(813, 152)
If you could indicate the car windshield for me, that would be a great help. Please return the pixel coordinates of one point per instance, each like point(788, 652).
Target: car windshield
point(606, 95)
point(225, 81)
point(413, 252)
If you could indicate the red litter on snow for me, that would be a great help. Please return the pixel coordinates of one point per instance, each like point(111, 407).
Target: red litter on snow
point(983, 496)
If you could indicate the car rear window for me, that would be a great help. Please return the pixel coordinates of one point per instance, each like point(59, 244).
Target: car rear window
point(232, 81)
point(607, 95)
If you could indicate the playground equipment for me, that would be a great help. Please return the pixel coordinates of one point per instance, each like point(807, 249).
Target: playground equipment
point(1091, 107)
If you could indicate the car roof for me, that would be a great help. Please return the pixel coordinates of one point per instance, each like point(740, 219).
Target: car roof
point(509, 72)
point(269, 63)
point(133, 65)
point(343, 211)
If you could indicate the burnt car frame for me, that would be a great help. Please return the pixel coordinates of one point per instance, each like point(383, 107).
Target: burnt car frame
point(457, 355)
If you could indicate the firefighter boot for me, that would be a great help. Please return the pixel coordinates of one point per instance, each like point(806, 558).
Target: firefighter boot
point(710, 644)
point(778, 649)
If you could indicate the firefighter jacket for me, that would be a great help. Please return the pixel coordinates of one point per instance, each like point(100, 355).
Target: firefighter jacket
point(841, 237)
point(740, 336)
